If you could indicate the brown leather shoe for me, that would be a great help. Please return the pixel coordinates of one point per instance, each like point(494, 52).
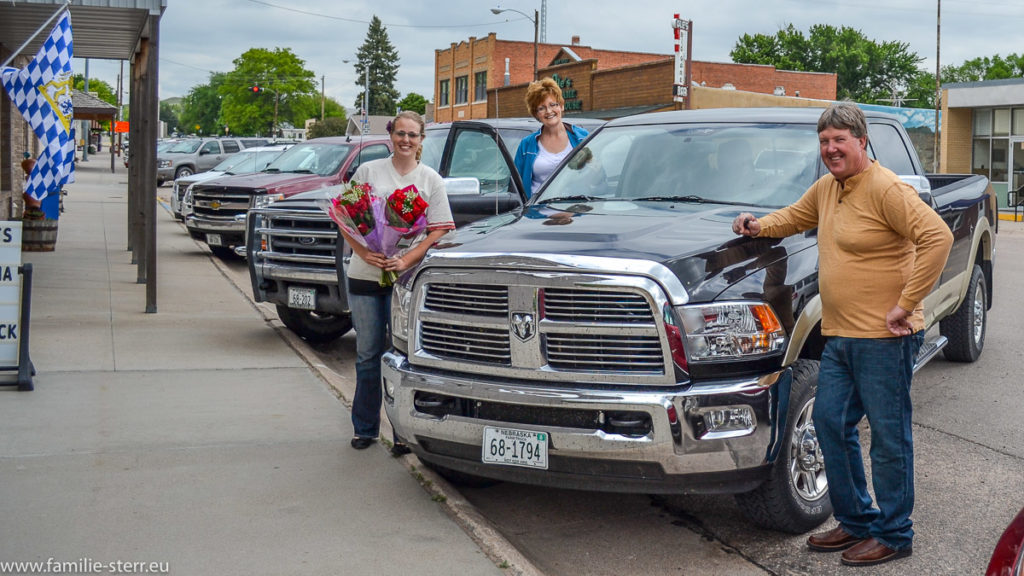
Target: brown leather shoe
point(871, 552)
point(833, 540)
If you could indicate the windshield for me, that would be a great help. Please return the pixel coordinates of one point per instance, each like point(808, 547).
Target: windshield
point(185, 147)
point(248, 161)
point(769, 165)
point(237, 158)
point(311, 158)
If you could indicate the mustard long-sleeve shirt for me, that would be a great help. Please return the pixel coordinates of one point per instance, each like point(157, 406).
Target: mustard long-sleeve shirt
point(879, 245)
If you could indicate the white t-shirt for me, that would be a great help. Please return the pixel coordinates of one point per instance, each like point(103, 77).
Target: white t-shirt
point(545, 165)
point(384, 179)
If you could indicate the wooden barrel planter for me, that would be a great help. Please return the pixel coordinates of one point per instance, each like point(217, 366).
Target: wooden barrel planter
point(38, 235)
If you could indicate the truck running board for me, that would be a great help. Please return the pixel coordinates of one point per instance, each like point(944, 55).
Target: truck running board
point(928, 350)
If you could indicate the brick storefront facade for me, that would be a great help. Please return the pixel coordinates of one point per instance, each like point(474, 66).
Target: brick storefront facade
point(600, 83)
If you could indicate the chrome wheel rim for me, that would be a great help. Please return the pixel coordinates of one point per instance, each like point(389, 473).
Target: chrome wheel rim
point(807, 465)
point(979, 314)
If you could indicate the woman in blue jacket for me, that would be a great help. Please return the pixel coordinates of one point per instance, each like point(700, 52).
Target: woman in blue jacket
point(541, 152)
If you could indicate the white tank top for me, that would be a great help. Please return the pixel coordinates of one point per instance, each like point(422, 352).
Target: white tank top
point(545, 165)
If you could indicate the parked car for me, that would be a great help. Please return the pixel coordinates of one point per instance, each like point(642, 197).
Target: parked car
point(1008, 556)
point(219, 206)
point(194, 155)
point(292, 245)
point(245, 162)
point(615, 334)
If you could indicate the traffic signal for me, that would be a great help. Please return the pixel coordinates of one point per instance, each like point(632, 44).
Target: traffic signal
point(256, 89)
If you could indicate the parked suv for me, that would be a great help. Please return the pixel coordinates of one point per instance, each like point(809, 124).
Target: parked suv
point(195, 155)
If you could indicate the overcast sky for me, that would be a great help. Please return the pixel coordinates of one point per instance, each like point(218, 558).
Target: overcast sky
point(202, 36)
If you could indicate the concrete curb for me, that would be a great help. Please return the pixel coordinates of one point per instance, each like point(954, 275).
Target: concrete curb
point(491, 542)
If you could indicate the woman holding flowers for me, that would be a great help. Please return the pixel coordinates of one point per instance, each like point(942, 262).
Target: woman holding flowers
point(369, 291)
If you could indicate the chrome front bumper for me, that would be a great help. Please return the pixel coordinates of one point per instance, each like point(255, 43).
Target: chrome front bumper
point(677, 456)
point(216, 226)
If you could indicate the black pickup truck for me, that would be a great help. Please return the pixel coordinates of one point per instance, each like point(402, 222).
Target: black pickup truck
point(292, 247)
point(614, 334)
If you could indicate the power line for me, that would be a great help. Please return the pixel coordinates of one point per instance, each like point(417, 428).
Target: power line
point(357, 21)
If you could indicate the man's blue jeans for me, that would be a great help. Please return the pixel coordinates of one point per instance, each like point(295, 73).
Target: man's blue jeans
point(869, 376)
point(370, 317)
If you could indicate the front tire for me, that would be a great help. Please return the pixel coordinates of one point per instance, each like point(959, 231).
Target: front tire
point(183, 172)
point(315, 327)
point(794, 499)
point(965, 328)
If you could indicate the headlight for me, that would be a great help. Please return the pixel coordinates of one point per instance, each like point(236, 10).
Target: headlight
point(165, 164)
point(401, 302)
point(186, 201)
point(264, 200)
point(731, 330)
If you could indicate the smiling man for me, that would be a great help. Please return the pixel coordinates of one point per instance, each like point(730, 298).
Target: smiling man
point(881, 249)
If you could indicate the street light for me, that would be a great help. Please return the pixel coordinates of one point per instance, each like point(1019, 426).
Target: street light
point(535, 21)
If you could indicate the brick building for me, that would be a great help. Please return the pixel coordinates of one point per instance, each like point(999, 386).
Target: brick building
point(470, 79)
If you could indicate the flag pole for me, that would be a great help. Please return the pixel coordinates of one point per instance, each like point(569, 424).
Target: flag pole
point(42, 27)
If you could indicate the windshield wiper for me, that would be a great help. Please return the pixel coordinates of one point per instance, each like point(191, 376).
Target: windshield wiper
point(689, 198)
point(577, 198)
point(302, 171)
point(272, 170)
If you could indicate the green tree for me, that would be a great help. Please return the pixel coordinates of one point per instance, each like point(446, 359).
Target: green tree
point(414, 102)
point(985, 68)
point(169, 114)
point(331, 126)
point(866, 71)
point(102, 89)
point(201, 107)
point(285, 87)
point(381, 57)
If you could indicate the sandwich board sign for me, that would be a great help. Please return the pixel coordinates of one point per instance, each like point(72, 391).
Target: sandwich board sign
point(13, 355)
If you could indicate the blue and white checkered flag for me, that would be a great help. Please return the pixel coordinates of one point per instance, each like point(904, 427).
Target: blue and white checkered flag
point(42, 92)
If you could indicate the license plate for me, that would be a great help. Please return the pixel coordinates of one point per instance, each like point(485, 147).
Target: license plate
point(302, 298)
point(214, 240)
point(513, 447)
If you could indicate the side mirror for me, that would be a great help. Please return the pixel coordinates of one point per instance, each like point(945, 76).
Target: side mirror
point(462, 186)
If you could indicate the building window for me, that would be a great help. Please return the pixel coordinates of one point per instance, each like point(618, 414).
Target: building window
point(462, 89)
point(983, 122)
point(443, 92)
point(480, 87)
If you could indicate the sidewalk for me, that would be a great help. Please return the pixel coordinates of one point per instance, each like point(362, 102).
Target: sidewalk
point(195, 438)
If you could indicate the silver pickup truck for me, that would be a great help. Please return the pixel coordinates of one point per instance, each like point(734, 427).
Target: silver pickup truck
point(614, 334)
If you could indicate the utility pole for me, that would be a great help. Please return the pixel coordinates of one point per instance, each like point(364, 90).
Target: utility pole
point(322, 97)
point(938, 83)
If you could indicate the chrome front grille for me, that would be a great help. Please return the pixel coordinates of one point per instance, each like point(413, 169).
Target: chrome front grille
point(219, 202)
point(542, 326)
point(604, 353)
point(471, 343)
point(595, 306)
point(297, 233)
point(468, 299)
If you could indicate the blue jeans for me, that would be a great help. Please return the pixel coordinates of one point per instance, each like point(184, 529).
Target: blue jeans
point(869, 376)
point(370, 317)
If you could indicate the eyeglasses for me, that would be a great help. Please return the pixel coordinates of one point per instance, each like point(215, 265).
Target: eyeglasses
point(409, 135)
point(553, 106)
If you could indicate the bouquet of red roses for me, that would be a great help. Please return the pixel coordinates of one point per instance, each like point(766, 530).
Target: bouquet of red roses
point(377, 223)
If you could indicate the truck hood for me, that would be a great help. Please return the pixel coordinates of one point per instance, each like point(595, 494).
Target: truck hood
point(286, 183)
point(694, 241)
